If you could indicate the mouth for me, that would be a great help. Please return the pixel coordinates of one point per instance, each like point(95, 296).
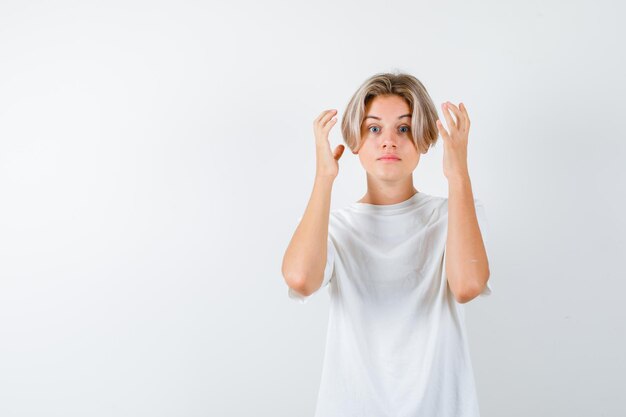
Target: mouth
point(389, 158)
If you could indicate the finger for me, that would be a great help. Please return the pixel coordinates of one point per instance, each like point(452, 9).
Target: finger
point(332, 118)
point(442, 130)
point(318, 119)
point(330, 124)
point(326, 117)
point(448, 116)
point(322, 114)
point(460, 117)
point(467, 119)
point(338, 151)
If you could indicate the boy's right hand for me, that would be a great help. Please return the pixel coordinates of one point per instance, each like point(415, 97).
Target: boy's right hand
point(327, 161)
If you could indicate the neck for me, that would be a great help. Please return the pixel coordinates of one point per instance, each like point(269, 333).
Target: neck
point(384, 193)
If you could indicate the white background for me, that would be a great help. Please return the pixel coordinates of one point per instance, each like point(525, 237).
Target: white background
point(154, 158)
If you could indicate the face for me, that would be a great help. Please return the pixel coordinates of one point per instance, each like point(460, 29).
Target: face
point(386, 129)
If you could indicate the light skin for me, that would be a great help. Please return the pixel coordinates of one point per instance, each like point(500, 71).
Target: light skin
point(467, 266)
point(386, 130)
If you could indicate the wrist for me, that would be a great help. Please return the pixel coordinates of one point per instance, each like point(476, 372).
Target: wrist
point(324, 179)
point(459, 180)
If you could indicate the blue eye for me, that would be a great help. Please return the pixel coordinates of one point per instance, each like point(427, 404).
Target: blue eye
point(408, 129)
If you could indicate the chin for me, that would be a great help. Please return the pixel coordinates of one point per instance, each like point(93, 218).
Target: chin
point(391, 176)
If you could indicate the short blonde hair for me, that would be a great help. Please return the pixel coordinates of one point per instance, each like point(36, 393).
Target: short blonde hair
point(424, 114)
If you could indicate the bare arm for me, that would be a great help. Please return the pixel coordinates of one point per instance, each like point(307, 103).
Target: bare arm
point(305, 258)
point(467, 266)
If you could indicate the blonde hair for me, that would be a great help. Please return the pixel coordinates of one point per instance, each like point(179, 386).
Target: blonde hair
point(424, 114)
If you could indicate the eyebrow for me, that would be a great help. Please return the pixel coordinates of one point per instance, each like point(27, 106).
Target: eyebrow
point(378, 118)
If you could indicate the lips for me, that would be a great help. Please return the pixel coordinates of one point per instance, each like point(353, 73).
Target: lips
point(391, 157)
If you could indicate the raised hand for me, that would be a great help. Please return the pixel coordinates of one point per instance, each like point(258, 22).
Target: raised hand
point(327, 164)
point(455, 141)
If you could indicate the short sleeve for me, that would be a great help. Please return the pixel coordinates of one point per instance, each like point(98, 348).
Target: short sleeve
point(484, 231)
point(328, 273)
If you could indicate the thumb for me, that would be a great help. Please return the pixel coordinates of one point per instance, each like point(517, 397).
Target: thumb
point(338, 151)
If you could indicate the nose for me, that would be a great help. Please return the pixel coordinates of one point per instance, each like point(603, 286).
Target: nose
point(389, 142)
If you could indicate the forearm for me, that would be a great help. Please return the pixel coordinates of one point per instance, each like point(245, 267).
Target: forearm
point(467, 266)
point(305, 257)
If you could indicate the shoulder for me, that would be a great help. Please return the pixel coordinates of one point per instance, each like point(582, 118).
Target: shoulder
point(436, 203)
point(340, 218)
point(438, 206)
point(443, 201)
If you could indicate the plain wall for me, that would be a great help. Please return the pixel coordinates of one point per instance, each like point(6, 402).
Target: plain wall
point(154, 158)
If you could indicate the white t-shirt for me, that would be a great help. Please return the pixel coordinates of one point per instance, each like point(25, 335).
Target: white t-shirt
point(396, 344)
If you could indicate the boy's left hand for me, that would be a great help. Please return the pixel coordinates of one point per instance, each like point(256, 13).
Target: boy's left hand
point(455, 142)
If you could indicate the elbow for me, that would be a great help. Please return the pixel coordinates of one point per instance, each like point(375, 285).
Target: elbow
point(297, 283)
point(463, 298)
point(466, 296)
point(469, 293)
point(292, 277)
point(304, 286)
point(299, 286)
point(302, 281)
